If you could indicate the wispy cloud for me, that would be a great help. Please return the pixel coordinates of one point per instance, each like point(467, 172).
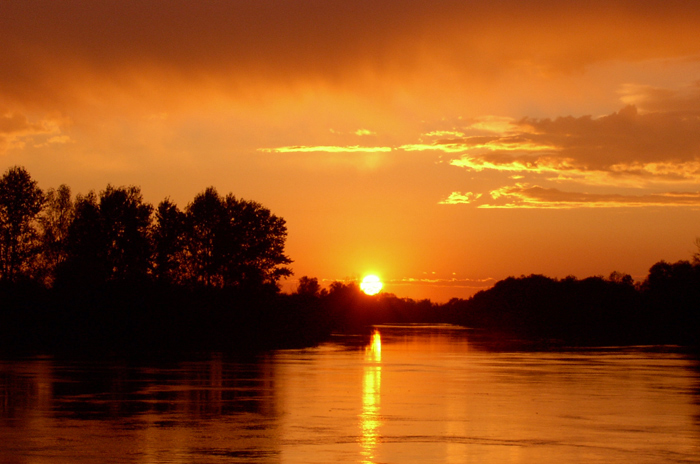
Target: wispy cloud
point(650, 98)
point(475, 283)
point(444, 282)
point(444, 133)
point(657, 144)
point(456, 198)
point(443, 147)
point(524, 196)
point(491, 123)
point(481, 144)
point(59, 139)
point(16, 130)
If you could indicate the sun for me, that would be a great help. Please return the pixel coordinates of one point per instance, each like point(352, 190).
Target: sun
point(371, 284)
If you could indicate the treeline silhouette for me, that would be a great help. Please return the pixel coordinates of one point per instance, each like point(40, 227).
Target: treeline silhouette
point(662, 309)
point(55, 240)
point(109, 271)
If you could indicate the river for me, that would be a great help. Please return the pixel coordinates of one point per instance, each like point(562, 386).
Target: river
point(405, 394)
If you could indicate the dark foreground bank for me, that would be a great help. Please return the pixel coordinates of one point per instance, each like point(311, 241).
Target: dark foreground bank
point(140, 317)
point(122, 318)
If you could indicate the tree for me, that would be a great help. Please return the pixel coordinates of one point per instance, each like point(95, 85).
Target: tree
point(109, 239)
point(207, 237)
point(21, 201)
point(126, 221)
point(55, 221)
point(620, 278)
point(259, 257)
point(168, 242)
point(234, 243)
point(308, 286)
point(672, 294)
point(83, 244)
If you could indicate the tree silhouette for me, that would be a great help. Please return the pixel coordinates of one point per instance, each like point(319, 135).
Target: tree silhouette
point(259, 250)
point(85, 260)
point(207, 237)
point(55, 220)
point(21, 201)
point(169, 243)
point(108, 239)
point(126, 220)
point(620, 278)
point(308, 286)
point(234, 243)
point(672, 296)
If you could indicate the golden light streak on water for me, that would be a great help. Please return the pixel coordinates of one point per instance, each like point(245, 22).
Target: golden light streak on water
point(370, 419)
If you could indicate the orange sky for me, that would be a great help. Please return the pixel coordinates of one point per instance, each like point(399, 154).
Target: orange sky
point(443, 145)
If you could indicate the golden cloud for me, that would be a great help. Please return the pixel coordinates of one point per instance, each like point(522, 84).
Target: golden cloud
point(490, 144)
point(59, 139)
point(16, 130)
point(531, 164)
point(499, 124)
point(623, 147)
point(445, 133)
point(459, 198)
point(443, 147)
point(443, 282)
point(524, 196)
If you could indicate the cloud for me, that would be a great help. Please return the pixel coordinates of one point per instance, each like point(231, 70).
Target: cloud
point(445, 133)
point(524, 196)
point(59, 139)
point(640, 148)
point(453, 282)
point(459, 198)
point(657, 99)
point(60, 52)
point(330, 157)
point(630, 147)
point(654, 147)
point(499, 124)
point(444, 282)
point(480, 144)
point(16, 130)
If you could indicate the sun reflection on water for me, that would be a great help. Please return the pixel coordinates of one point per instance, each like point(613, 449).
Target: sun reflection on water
point(371, 396)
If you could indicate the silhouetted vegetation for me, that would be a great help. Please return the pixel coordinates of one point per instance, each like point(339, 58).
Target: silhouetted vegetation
point(21, 201)
point(109, 271)
point(663, 309)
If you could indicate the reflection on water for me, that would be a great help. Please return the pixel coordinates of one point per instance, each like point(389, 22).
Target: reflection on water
point(404, 395)
point(370, 419)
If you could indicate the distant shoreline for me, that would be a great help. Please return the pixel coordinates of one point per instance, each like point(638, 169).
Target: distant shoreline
point(548, 313)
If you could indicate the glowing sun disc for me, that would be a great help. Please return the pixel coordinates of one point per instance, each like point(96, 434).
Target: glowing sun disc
point(371, 284)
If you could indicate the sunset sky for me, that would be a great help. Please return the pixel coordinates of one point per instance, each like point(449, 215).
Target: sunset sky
point(442, 145)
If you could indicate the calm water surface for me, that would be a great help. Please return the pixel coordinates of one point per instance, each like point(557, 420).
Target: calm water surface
point(404, 395)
